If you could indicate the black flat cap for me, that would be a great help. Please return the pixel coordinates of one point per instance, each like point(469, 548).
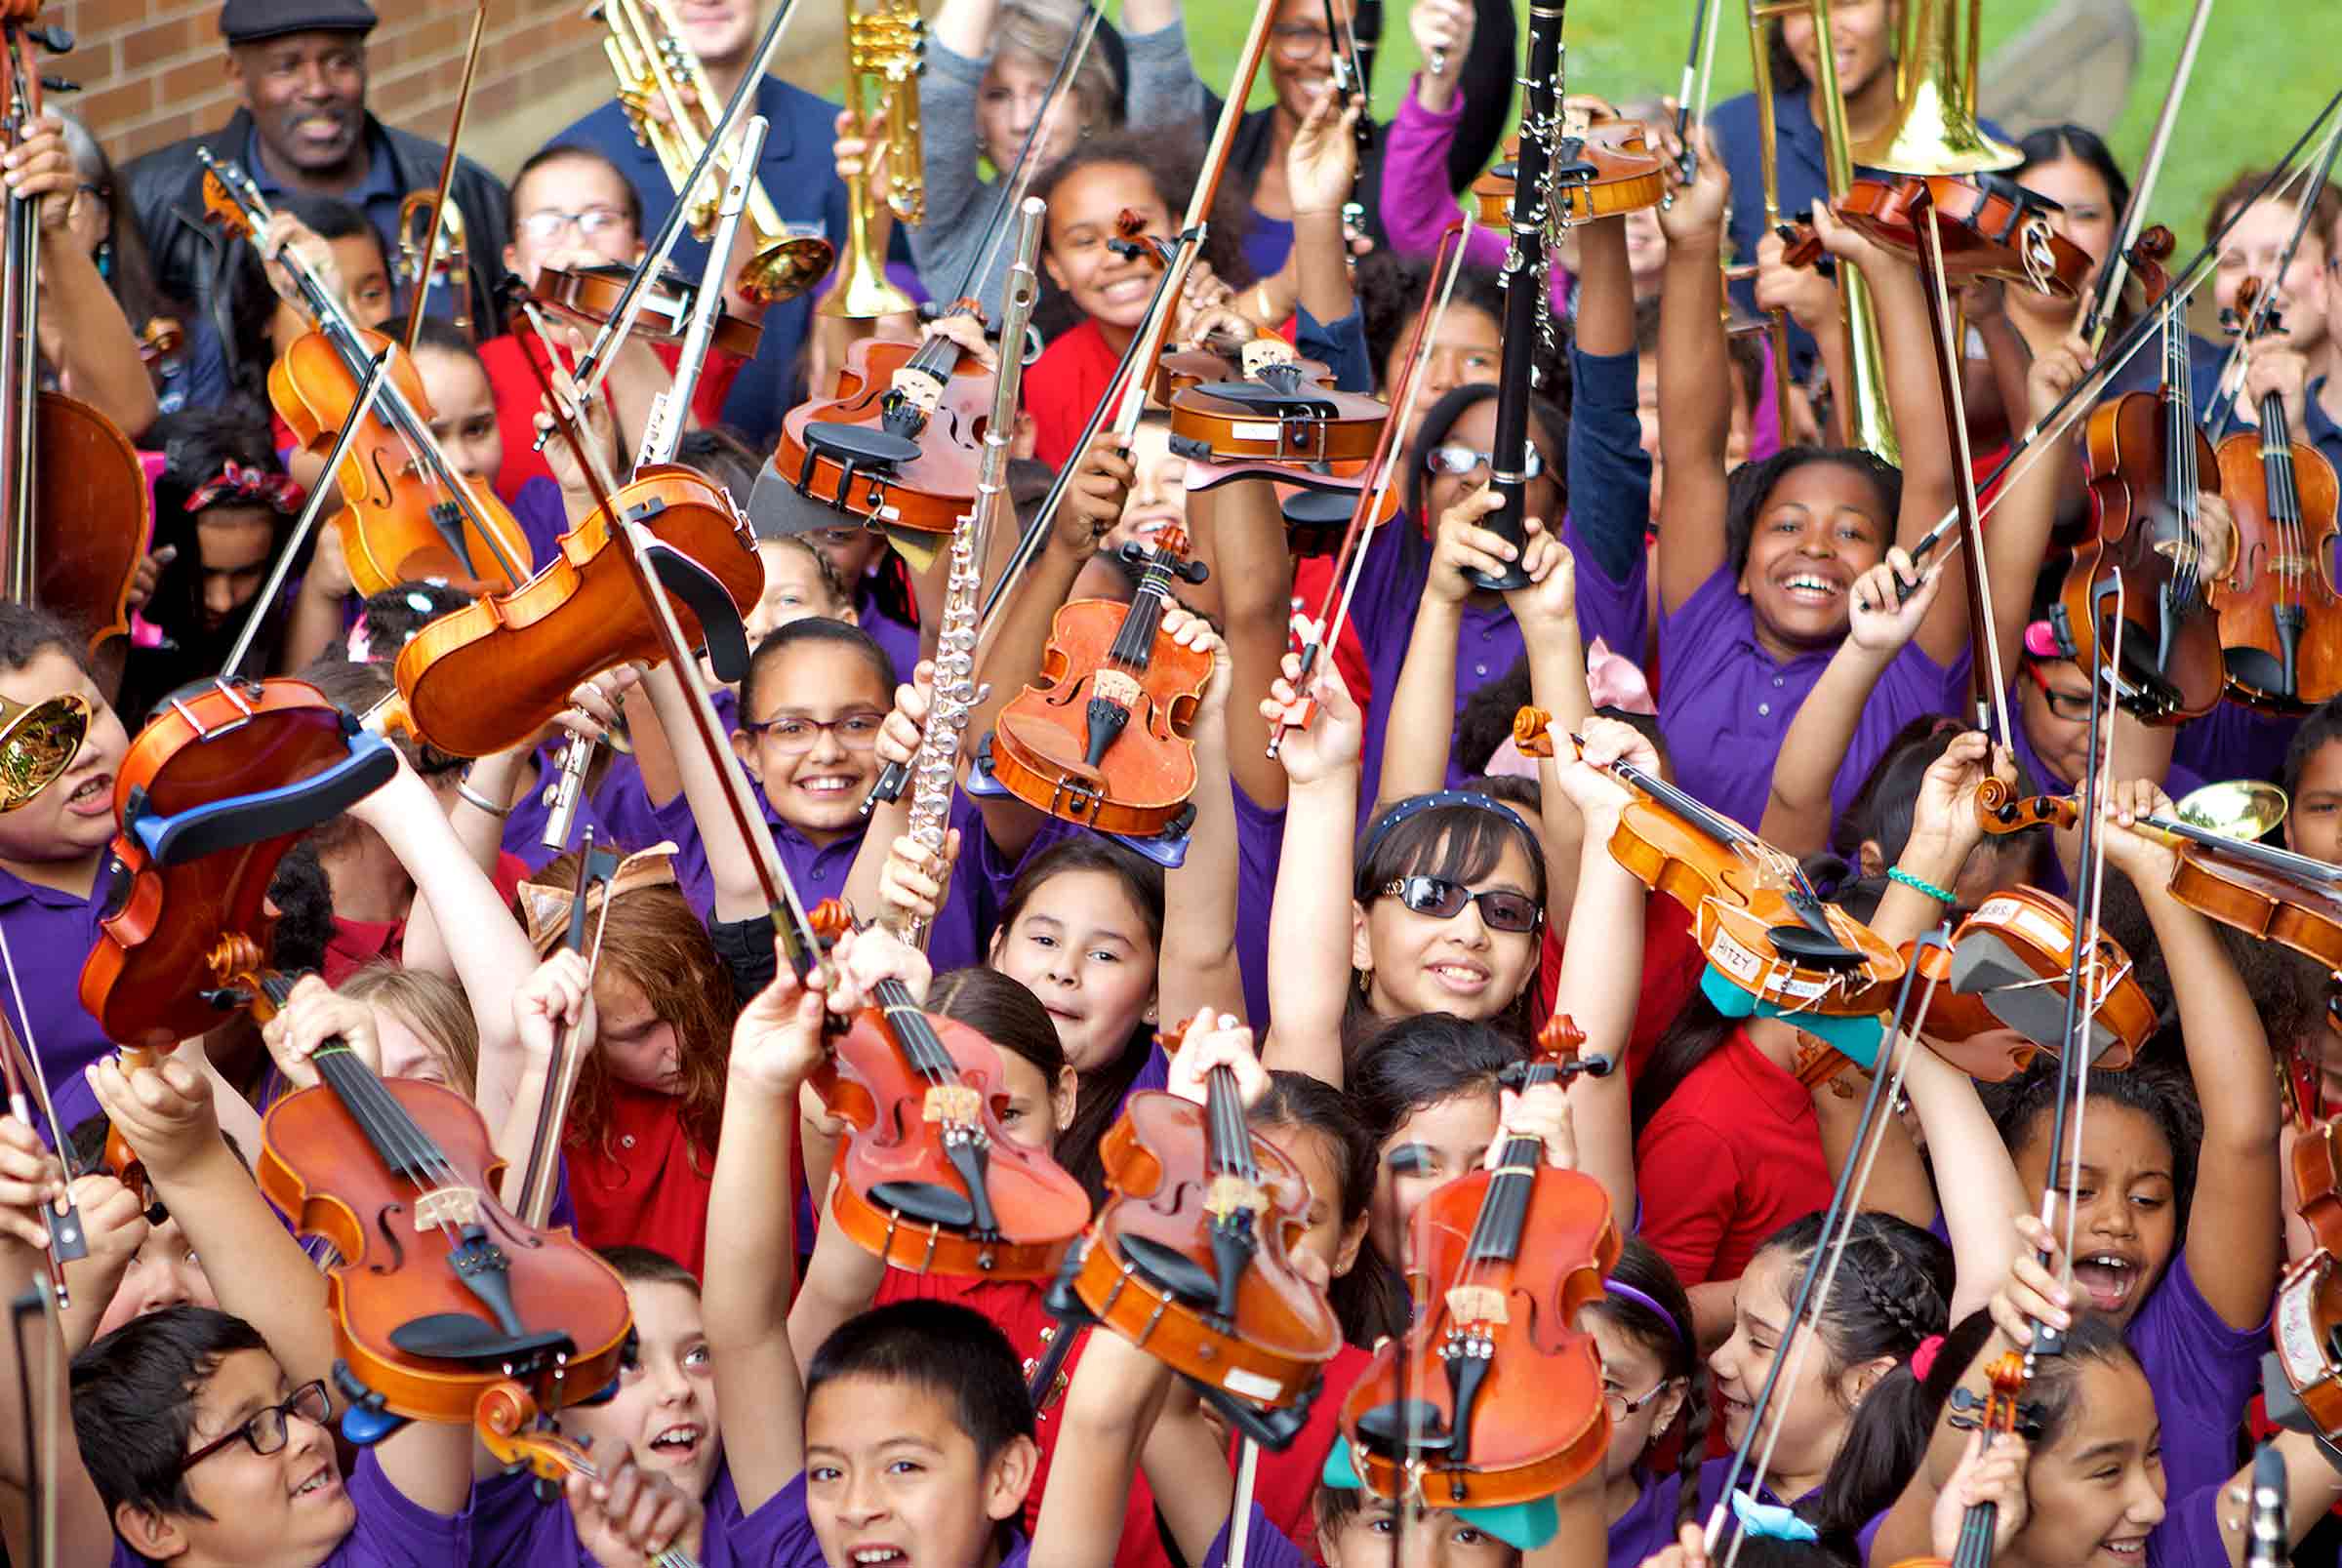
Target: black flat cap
point(250, 21)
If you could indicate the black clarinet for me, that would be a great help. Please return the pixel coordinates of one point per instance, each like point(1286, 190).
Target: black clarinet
point(1548, 161)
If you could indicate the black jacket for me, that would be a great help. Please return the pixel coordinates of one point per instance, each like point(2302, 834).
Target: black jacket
point(191, 256)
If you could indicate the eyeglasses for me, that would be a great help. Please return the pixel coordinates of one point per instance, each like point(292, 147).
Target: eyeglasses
point(1435, 896)
point(546, 222)
point(267, 1429)
point(1621, 1407)
point(796, 732)
point(2072, 707)
point(1451, 457)
point(1300, 40)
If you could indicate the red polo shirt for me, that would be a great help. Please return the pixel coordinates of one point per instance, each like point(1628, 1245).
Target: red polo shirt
point(518, 396)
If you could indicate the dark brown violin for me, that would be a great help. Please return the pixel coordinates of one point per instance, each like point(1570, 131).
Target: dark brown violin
point(1188, 1259)
point(591, 293)
point(407, 514)
point(1495, 1397)
point(1759, 921)
point(927, 1180)
point(74, 502)
point(1990, 226)
point(2148, 462)
point(1101, 739)
point(2280, 615)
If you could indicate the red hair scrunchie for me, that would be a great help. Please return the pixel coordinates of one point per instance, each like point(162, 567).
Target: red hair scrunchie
point(1923, 1360)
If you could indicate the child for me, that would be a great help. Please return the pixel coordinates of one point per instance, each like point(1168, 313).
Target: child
point(468, 424)
point(50, 849)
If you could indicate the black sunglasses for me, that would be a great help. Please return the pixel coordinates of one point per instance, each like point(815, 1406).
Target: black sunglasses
point(1442, 900)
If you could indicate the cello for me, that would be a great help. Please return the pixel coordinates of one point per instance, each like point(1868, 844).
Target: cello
point(74, 502)
point(1494, 1397)
point(1188, 1257)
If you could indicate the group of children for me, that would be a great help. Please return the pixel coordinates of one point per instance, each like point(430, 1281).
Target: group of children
point(1369, 924)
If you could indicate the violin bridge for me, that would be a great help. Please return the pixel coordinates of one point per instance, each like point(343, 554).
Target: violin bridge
point(1262, 352)
point(1477, 1304)
point(447, 1205)
point(919, 388)
point(1233, 1194)
point(954, 1102)
point(1117, 686)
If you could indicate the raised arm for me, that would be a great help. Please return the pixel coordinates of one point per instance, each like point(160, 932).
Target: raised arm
point(82, 330)
point(1198, 967)
point(1309, 974)
point(1695, 403)
point(1421, 710)
point(1240, 535)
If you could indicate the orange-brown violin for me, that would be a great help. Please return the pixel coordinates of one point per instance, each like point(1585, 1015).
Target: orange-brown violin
point(1607, 171)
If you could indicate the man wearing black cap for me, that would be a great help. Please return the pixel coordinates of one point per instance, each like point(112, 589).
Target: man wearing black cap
point(302, 130)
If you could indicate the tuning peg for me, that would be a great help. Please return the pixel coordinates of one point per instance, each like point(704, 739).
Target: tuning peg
point(57, 84)
point(56, 40)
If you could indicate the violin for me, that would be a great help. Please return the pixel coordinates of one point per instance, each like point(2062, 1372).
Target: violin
point(1990, 226)
point(1761, 924)
point(591, 295)
point(407, 514)
point(2001, 999)
point(2003, 1413)
point(2307, 1324)
point(1067, 745)
point(1278, 414)
point(1606, 171)
point(928, 1181)
point(513, 1428)
point(1190, 1258)
point(2279, 614)
point(902, 443)
point(440, 1292)
point(2147, 461)
point(1494, 1397)
point(489, 676)
point(75, 510)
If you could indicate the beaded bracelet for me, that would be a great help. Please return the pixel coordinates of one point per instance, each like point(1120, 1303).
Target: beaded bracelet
point(1921, 884)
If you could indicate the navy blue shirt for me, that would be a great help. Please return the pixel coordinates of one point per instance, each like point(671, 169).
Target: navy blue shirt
point(378, 196)
point(798, 173)
point(1803, 180)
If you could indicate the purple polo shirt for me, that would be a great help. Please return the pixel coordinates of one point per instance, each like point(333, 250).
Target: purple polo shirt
point(1725, 705)
point(2204, 1373)
point(786, 1539)
point(392, 1531)
point(2190, 1535)
point(1266, 1545)
point(2233, 742)
point(524, 829)
point(512, 1529)
point(50, 935)
point(1260, 846)
point(901, 642)
point(1647, 1528)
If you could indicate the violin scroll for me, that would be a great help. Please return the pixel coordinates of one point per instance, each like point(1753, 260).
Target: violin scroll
point(2000, 809)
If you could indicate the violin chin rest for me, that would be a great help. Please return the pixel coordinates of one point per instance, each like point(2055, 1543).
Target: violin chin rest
point(1810, 949)
point(1405, 1423)
point(862, 446)
point(1173, 1272)
point(925, 1202)
point(1983, 965)
point(458, 1336)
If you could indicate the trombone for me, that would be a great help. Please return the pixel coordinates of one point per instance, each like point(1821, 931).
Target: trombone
point(1868, 422)
point(452, 262)
point(655, 66)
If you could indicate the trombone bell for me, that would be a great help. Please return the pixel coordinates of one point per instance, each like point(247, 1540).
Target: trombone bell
point(37, 744)
point(2244, 810)
point(785, 269)
point(1934, 131)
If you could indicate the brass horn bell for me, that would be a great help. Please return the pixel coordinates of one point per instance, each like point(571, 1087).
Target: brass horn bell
point(37, 744)
point(2244, 810)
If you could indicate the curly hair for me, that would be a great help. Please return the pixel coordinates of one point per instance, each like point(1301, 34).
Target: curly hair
point(1752, 485)
point(1172, 163)
point(652, 939)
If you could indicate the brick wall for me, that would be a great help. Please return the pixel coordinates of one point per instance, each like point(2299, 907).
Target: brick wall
point(154, 70)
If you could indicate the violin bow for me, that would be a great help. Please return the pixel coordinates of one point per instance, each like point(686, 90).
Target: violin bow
point(1837, 1229)
point(447, 177)
point(597, 868)
point(597, 359)
point(1987, 687)
point(2264, 303)
point(2043, 434)
point(2106, 293)
point(1691, 94)
point(20, 1063)
point(1019, 178)
point(1447, 264)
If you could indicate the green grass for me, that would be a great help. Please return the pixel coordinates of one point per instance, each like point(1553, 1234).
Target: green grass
point(2244, 107)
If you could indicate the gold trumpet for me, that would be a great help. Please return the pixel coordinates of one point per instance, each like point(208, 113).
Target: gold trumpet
point(885, 46)
point(1934, 131)
point(655, 66)
point(1868, 423)
point(452, 262)
point(37, 744)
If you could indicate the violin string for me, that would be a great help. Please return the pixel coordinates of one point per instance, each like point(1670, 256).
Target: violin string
point(2299, 181)
point(1837, 1231)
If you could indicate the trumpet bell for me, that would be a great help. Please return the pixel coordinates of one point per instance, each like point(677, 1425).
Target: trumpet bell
point(787, 269)
point(2244, 810)
point(37, 744)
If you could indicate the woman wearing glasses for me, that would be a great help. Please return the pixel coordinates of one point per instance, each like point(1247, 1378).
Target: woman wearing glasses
point(572, 208)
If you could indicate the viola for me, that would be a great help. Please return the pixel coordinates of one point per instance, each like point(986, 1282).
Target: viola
point(2279, 614)
point(902, 442)
point(928, 1180)
point(493, 674)
point(2001, 999)
point(1606, 171)
point(1190, 1258)
point(1990, 226)
point(1101, 739)
point(513, 1428)
point(591, 295)
point(75, 510)
point(440, 1294)
point(1494, 1397)
point(2146, 460)
point(1761, 924)
point(407, 514)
